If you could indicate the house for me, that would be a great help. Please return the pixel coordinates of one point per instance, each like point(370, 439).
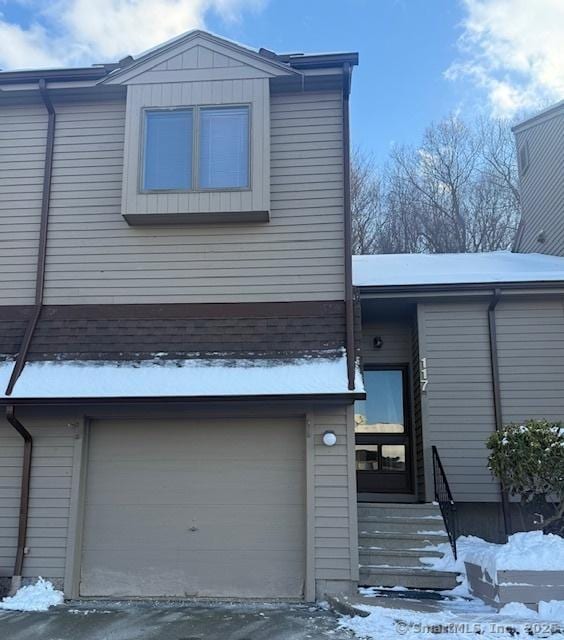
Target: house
point(177, 342)
point(540, 154)
point(196, 400)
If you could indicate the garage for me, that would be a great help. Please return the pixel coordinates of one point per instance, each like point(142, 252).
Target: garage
point(199, 507)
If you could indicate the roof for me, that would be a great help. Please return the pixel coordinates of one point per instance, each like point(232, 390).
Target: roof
point(421, 269)
point(549, 112)
point(98, 72)
point(177, 350)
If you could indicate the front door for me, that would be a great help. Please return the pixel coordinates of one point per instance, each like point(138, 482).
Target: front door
point(383, 432)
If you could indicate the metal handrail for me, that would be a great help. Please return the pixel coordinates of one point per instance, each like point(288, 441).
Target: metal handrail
point(443, 497)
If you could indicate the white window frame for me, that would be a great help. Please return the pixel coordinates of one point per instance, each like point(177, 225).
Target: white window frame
point(195, 109)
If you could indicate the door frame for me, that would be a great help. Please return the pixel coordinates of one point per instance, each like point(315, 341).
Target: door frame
point(405, 368)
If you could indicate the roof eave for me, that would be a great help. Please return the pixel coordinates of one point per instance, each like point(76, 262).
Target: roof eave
point(349, 396)
point(414, 289)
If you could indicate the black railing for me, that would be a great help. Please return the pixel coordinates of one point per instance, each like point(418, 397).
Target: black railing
point(444, 497)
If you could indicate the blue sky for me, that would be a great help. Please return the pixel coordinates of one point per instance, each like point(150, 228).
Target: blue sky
point(419, 59)
point(405, 47)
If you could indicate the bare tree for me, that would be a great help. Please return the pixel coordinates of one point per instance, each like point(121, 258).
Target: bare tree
point(456, 192)
point(366, 203)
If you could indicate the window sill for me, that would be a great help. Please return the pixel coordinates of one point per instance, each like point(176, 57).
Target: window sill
point(214, 217)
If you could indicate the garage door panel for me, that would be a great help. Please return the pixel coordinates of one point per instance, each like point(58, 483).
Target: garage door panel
point(242, 481)
point(212, 574)
point(249, 527)
point(210, 508)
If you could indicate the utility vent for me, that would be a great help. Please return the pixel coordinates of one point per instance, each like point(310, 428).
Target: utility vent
point(524, 158)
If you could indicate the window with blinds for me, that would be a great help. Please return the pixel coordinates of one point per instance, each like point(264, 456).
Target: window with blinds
point(220, 136)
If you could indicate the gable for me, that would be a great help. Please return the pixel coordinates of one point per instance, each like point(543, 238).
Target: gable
point(198, 56)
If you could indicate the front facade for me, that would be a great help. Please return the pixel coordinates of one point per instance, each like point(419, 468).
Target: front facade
point(175, 294)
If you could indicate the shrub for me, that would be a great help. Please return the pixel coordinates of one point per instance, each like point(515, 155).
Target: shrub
point(528, 459)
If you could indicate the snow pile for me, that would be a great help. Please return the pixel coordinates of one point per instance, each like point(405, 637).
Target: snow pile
point(526, 551)
point(34, 597)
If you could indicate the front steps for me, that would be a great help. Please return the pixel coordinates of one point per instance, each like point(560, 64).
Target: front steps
point(392, 539)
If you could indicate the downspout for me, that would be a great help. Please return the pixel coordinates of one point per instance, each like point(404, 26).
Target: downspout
point(496, 388)
point(42, 251)
point(349, 302)
point(24, 496)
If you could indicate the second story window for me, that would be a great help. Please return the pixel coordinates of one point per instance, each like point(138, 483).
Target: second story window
point(194, 149)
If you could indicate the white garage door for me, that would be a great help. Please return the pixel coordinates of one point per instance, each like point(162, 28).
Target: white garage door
point(195, 508)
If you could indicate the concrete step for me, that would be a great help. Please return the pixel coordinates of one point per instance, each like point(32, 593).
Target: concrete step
point(411, 577)
point(395, 541)
point(400, 525)
point(395, 558)
point(387, 509)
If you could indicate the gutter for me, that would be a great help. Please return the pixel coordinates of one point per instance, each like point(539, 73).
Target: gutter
point(42, 251)
point(496, 389)
point(24, 497)
point(349, 302)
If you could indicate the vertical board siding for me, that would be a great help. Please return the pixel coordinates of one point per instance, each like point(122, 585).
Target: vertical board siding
point(53, 447)
point(531, 358)
point(23, 130)
point(458, 402)
point(335, 541)
point(93, 256)
point(542, 186)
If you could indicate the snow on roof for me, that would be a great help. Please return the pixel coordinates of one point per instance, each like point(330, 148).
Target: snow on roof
point(186, 378)
point(420, 269)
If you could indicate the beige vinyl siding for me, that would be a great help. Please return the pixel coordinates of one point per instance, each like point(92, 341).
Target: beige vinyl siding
point(458, 403)
point(23, 128)
point(531, 358)
point(93, 256)
point(335, 534)
point(235, 91)
point(53, 449)
point(542, 186)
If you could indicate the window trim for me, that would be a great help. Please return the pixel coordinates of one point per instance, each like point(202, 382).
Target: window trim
point(195, 109)
point(524, 159)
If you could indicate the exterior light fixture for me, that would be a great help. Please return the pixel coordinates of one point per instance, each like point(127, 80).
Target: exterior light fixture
point(378, 342)
point(329, 438)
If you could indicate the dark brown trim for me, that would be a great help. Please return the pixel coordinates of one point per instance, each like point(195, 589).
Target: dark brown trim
point(57, 75)
point(415, 289)
point(42, 247)
point(24, 490)
point(337, 398)
point(496, 391)
point(349, 303)
point(304, 309)
point(319, 61)
point(213, 217)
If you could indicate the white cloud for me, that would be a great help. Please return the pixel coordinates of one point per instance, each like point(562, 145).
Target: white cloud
point(514, 50)
point(73, 32)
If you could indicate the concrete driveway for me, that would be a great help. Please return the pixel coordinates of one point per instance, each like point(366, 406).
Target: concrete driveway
point(145, 620)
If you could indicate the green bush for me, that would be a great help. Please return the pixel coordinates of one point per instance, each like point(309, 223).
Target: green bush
point(528, 459)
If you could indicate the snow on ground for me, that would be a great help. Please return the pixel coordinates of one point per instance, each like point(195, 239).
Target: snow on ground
point(457, 619)
point(458, 615)
point(195, 377)
point(34, 597)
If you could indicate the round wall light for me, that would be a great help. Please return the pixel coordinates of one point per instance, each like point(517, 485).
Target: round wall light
point(329, 438)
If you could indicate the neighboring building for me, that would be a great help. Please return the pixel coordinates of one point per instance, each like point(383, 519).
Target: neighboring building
point(175, 308)
point(540, 155)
